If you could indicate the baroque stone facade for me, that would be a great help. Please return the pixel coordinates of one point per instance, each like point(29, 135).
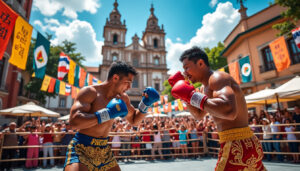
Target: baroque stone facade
point(149, 58)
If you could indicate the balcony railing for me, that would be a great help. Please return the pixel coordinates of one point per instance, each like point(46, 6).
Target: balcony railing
point(263, 68)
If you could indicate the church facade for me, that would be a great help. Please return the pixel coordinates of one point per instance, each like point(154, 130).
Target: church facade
point(148, 58)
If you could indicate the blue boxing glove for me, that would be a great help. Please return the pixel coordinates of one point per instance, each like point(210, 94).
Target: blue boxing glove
point(115, 108)
point(153, 96)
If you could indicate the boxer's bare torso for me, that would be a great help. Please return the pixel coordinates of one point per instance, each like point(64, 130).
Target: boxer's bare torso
point(220, 84)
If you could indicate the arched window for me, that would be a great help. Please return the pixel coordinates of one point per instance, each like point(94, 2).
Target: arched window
point(115, 39)
point(135, 82)
point(114, 57)
point(135, 62)
point(155, 43)
point(156, 61)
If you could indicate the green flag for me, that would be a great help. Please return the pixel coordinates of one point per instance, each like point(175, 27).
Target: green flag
point(57, 84)
point(41, 51)
point(246, 69)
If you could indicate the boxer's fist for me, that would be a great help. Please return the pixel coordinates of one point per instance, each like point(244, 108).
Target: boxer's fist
point(183, 90)
point(153, 96)
point(115, 108)
point(174, 78)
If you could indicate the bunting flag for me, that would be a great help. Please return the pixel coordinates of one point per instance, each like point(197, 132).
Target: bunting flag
point(155, 104)
point(180, 107)
point(246, 69)
point(161, 99)
point(280, 54)
point(165, 106)
point(63, 65)
point(173, 105)
point(90, 79)
point(234, 71)
point(51, 85)
point(150, 110)
point(62, 88)
point(296, 36)
point(71, 73)
point(95, 81)
point(41, 51)
point(7, 22)
point(77, 90)
point(176, 105)
point(222, 69)
point(46, 83)
point(74, 92)
point(77, 76)
point(184, 105)
point(86, 83)
point(20, 48)
point(169, 107)
point(166, 98)
point(57, 85)
point(68, 90)
point(82, 77)
point(99, 81)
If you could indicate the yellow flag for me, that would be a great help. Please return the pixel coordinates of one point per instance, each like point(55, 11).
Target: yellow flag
point(46, 83)
point(99, 82)
point(20, 48)
point(180, 106)
point(62, 88)
point(71, 74)
point(222, 69)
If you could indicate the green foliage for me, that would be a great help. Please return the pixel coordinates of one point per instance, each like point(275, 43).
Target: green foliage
point(34, 85)
point(292, 14)
point(215, 60)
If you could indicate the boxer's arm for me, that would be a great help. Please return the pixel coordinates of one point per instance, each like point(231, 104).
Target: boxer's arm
point(134, 116)
point(223, 103)
point(197, 113)
point(79, 116)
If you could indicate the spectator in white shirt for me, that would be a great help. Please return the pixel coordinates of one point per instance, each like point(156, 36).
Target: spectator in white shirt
point(267, 136)
point(292, 145)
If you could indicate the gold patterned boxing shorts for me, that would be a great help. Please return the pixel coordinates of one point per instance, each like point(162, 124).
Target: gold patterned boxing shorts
point(240, 151)
point(93, 152)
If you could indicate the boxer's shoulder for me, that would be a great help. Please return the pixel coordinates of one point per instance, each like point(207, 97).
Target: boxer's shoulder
point(219, 80)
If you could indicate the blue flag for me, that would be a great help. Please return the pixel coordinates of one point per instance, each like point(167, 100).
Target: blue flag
point(246, 69)
point(41, 52)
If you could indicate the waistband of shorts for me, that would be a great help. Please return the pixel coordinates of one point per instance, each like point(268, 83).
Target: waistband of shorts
point(235, 134)
point(91, 141)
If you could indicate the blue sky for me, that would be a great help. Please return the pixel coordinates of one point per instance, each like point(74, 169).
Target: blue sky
point(186, 22)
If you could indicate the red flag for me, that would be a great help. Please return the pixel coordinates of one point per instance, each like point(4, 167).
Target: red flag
point(51, 85)
point(82, 77)
point(7, 22)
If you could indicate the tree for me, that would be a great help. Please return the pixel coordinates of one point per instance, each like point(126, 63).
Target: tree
point(292, 14)
point(216, 61)
point(34, 85)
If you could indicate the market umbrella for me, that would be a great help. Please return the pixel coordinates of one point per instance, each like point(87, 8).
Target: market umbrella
point(29, 109)
point(156, 115)
point(183, 114)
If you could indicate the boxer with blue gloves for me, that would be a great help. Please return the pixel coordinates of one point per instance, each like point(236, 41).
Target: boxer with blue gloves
point(93, 113)
point(153, 97)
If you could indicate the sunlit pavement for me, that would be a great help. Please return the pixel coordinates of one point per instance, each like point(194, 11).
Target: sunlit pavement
point(181, 165)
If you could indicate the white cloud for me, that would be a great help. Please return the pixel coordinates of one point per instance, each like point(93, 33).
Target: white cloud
point(212, 3)
point(83, 34)
point(178, 39)
point(69, 7)
point(215, 27)
point(79, 32)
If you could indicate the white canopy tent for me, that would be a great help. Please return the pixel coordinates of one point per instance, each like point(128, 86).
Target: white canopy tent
point(151, 115)
point(289, 91)
point(64, 118)
point(29, 109)
point(183, 114)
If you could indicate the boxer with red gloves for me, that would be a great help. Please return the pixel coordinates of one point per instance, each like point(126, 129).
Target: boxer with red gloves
point(223, 99)
point(183, 90)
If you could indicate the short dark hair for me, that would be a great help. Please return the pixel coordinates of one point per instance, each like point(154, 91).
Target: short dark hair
point(194, 54)
point(120, 68)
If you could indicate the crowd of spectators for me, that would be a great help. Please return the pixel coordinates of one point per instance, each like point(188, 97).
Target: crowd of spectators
point(155, 138)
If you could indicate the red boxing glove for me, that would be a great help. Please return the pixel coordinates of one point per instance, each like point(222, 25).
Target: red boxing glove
point(187, 92)
point(176, 77)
